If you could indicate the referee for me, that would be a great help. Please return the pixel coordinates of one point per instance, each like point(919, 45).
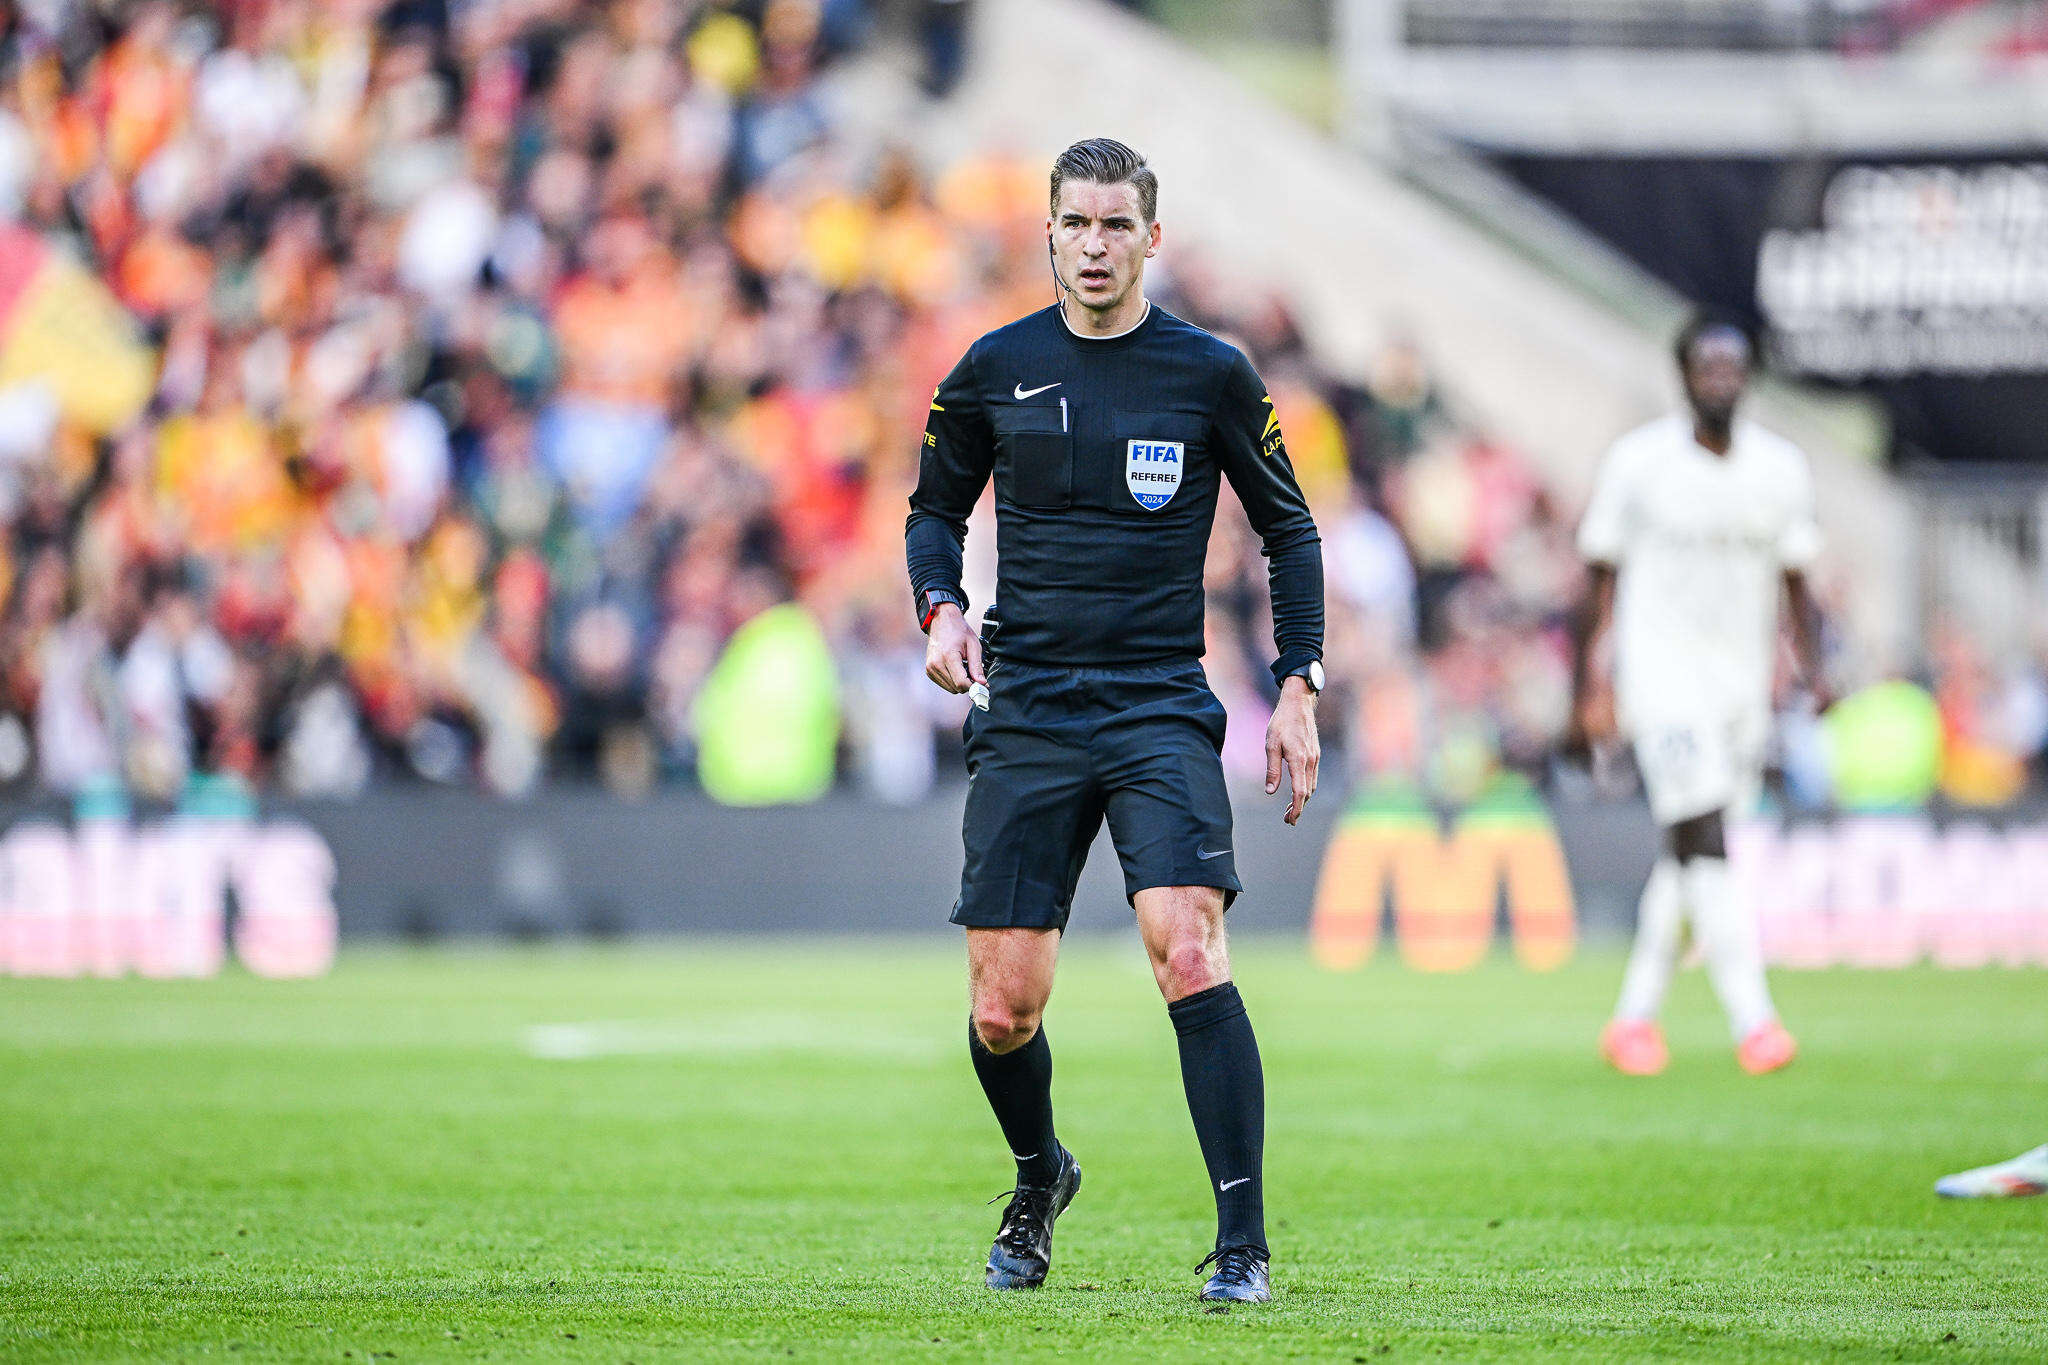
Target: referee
point(1109, 426)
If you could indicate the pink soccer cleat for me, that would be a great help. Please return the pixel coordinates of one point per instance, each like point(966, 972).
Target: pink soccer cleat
point(1634, 1047)
point(1767, 1048)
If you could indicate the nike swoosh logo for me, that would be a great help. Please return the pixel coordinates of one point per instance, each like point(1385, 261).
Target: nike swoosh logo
point(1233, 1184)
point(1205, 855)
point(1020, 393)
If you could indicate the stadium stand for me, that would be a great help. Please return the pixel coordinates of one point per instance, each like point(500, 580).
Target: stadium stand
point(508, 366)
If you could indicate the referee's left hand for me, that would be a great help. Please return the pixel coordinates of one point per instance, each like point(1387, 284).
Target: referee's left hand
point(1291, 740)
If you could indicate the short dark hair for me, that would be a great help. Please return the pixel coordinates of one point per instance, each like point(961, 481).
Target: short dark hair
point(1106, 161)
point(1702, 322)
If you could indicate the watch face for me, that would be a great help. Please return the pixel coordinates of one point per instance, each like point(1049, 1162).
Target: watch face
point(1315, 674)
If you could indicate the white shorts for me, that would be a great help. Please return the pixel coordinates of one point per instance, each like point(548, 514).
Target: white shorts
point(1706, 763)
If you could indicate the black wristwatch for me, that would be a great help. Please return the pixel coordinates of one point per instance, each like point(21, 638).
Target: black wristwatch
point(929, 602)
point(1312, 673)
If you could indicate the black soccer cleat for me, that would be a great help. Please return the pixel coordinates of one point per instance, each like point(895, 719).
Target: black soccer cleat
point(1240, 1276)
point(1022, 1253)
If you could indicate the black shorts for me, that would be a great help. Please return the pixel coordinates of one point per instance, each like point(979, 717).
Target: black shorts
point(1061, 748)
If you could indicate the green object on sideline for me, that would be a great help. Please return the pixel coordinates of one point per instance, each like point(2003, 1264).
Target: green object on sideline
point(1884, 747)
point(768, 717)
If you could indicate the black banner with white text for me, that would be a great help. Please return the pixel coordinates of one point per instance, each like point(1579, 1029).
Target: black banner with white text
point(1922, 281)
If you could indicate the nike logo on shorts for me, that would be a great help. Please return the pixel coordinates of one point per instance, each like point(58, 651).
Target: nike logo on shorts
point(1020, 393)
point(1205, 855)
point(1233, 1184)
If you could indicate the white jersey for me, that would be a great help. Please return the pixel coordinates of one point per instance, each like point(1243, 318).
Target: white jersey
point(1700, 542)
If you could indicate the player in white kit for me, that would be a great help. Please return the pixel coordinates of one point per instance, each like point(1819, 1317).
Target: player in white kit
point(1696, 521)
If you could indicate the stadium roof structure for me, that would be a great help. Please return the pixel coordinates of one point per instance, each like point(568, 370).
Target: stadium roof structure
point(1694, 77)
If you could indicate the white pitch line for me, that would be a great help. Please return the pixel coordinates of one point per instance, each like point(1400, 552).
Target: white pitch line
point(572, 1042)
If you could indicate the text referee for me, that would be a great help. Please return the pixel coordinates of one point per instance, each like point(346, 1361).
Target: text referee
point(1109, 425)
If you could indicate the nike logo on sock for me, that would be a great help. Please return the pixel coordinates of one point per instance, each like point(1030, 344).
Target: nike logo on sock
point(1233, 1184)
point(1015, 1157)
point(1205, 855)
point(1020, 393)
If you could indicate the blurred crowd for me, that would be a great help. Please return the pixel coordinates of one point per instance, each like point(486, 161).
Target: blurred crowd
point(512, 358)
point(511, 355)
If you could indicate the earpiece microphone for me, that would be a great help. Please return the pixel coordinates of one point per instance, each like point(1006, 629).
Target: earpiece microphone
point(1052, 257)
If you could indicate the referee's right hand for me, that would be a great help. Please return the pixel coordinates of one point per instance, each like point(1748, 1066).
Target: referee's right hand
point(952, 656)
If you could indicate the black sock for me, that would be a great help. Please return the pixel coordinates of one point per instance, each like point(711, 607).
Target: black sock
point(1219, 1066)
point(1019, 1088)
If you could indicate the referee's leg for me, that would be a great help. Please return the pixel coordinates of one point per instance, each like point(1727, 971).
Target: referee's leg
point(1009, 974)
point(1010, 977)
point(1219, 1056)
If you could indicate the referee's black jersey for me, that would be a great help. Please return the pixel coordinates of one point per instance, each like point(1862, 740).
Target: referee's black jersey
point(1107, 456)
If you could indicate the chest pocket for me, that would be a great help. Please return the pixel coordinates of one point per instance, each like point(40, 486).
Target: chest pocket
point(1152, 460)
point(1035, 456)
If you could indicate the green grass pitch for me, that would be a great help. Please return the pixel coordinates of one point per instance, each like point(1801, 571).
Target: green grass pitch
point(769, 1150)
